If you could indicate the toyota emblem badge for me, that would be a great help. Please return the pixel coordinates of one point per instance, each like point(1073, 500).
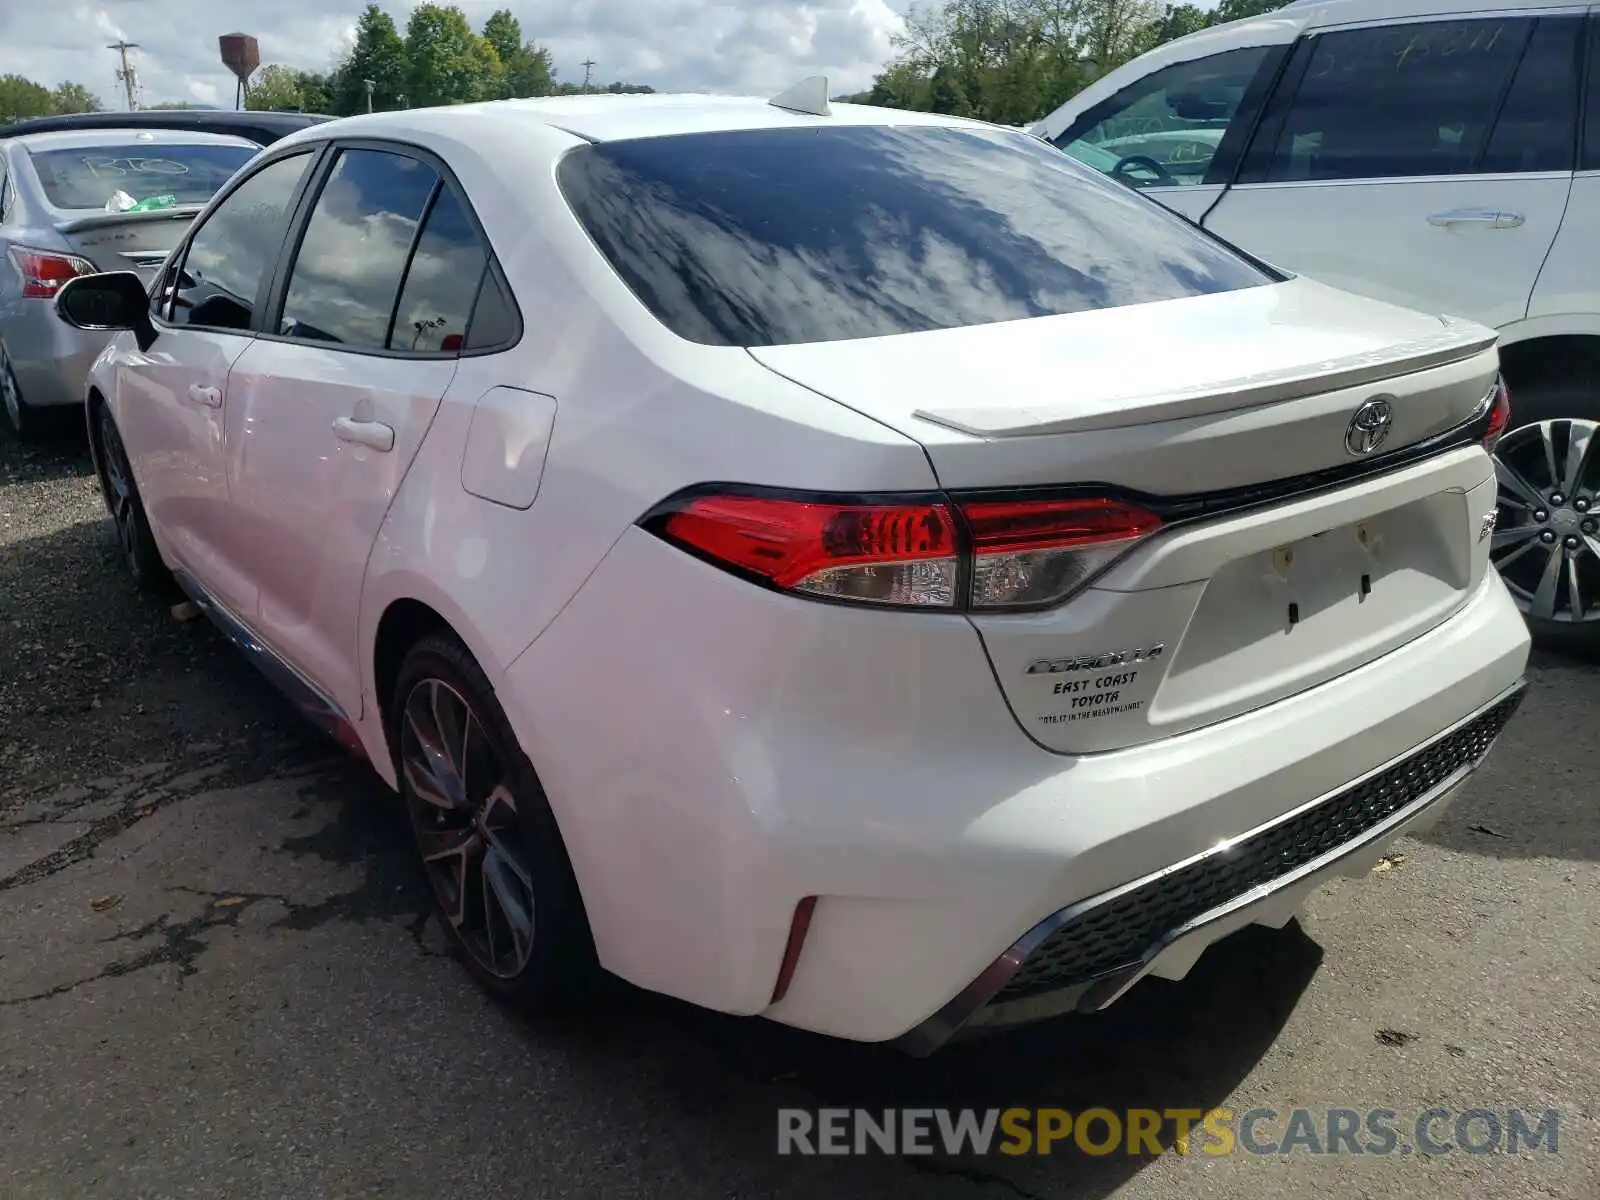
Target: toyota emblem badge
point(1369, 426)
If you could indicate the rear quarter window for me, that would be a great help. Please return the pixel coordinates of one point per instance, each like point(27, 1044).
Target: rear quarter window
point(776, 237)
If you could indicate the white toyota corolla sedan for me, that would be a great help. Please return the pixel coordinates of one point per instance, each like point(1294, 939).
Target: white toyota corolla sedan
point(862, 568)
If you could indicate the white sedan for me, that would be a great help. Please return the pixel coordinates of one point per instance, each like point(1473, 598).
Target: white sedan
point(858, 567)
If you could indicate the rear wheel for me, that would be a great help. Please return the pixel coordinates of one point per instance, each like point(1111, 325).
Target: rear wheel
point(498, 870)
point(22, 420)
point(1547, 536)
point(132, 526)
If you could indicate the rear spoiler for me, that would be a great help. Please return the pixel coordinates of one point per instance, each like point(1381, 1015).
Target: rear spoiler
point(102, 220)
point(1454, 343)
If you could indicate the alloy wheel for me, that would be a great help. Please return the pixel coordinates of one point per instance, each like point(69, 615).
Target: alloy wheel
point(10, 393)
point(119, 488)
point(468, 827)
point(1547, 537)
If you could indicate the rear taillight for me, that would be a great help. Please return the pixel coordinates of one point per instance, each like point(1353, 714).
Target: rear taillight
point(42, 272)
point(919, 551)
point(1028, 553)
point(1499, 414)
point(872, 553)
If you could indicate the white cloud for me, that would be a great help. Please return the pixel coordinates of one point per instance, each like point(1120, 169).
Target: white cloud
point(758, 46)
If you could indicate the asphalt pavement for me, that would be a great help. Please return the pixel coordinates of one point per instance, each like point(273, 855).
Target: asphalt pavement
point(218, 976)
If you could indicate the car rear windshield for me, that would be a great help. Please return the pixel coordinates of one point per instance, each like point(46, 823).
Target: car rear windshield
point(774, 237)
point(90, 176)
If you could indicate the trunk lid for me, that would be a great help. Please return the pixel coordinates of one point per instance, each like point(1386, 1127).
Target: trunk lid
point(1255, 380)
point(1216, 614)
point(128, 241)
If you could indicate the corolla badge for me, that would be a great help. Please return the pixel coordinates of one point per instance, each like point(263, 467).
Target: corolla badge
point(1093, 662)
point(1369, 426)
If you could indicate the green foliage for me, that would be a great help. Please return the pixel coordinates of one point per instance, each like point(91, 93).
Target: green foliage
point(439, 60)
point(1014, 61)
point(528, 70)
point(71, 97)
point(379, 56)
point(274, 87)
point(504, 32)
point(22, 98)
point(280, 87)
point(446, 62)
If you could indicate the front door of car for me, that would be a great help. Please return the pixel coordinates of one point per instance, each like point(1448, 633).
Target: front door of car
point(1423, 162)
point(327, 412)
point(172, 399)
point(1176, 133)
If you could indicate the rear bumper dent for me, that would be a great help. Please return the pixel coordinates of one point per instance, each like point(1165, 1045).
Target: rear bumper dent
point(1422, 786)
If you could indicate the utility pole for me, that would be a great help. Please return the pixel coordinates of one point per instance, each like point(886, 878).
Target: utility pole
point(588, 67)
point(370, 85)
point(126, 76)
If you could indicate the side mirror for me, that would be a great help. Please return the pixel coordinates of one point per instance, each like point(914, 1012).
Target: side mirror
point(110, 301)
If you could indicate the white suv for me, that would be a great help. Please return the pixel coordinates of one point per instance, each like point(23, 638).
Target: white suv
point(1437, 155)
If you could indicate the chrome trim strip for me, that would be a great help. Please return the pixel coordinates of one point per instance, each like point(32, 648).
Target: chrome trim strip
point(320, 709)
point(1094, 995)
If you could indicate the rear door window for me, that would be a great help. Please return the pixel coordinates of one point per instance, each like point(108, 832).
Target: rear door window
point(441, 281)
point(772, 237)
point(1590, 157)
point(347, 271)
point(1397, 101)
point(1537, 126)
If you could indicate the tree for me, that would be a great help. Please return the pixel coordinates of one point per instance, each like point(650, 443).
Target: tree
point(528, 70)
point(1184, 19)
point(1175, 21)
point(21, 98)
point(69, 97)
point(446, 62)
point(315, 96)
point(1013, 61)
point(274, 87)
point(504, 32)
point(378, 55)
point(946, 94)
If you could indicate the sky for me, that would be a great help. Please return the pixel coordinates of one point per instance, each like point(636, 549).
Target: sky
point(752, 46)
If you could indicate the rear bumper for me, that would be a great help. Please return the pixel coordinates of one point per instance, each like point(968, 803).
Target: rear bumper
point(719, 755)
point(50, 358)
point(1087, 955)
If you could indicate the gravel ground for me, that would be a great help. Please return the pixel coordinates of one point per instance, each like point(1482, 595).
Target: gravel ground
point(217, 977)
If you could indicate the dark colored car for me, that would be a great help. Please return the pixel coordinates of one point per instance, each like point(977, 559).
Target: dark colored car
point(261, 127)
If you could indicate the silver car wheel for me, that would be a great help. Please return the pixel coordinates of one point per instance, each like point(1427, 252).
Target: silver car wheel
point(1546, 542)
point(10, 393)
point(468, 827)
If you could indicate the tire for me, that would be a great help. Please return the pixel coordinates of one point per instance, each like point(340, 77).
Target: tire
point(20, 417)
point(1547, 541)
point(121, 494)
point(497, 869)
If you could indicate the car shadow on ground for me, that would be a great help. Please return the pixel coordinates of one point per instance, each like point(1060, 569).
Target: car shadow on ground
point(1533, 796)
point(61, 453)
point(720, 1081)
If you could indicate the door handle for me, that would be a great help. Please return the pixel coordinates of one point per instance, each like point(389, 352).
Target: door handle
point(373, 434)
point(1489, 217)
point(209, 396)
